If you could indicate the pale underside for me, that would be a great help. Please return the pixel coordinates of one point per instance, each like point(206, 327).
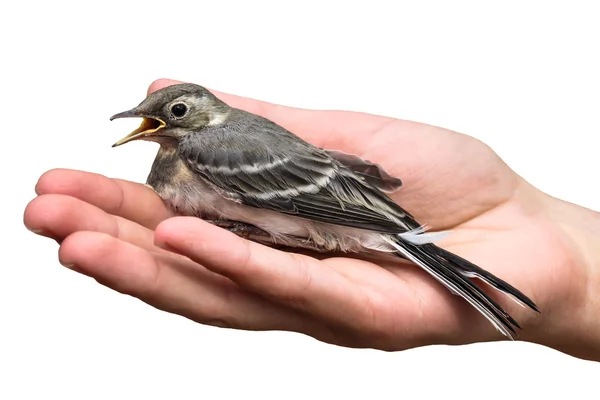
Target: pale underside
point(200, 199)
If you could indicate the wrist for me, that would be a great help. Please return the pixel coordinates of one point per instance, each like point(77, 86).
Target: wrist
point(572, 324)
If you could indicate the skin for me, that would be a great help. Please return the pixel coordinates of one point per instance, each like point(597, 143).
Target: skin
point(121, 234)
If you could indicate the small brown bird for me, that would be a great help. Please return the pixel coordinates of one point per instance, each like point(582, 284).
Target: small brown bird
point(247, 174)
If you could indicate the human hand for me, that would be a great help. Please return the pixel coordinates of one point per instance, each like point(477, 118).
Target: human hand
point(121, 234)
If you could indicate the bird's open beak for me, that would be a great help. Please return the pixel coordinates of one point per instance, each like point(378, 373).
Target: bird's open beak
point(149, 126)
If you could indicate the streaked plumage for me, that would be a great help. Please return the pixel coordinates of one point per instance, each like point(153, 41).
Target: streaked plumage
point(223, 164)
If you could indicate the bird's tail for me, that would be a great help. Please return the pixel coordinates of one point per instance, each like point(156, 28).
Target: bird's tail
point(454, 273)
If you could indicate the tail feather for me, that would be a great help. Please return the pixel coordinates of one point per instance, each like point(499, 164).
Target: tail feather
point(454, 273)
point(471, 270)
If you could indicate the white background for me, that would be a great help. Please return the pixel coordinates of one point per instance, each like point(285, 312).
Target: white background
point(522, 76)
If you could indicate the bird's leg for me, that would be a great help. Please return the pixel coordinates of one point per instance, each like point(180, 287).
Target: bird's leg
point(240, 228)
point(256, 234)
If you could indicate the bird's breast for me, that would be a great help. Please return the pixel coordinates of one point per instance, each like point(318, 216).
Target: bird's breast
point(181, 189)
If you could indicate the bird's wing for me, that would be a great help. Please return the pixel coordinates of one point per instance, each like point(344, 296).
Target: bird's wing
point(373, 173)
point(293, 178)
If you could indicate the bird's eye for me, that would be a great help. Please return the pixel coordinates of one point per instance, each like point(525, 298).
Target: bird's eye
point(178, 110)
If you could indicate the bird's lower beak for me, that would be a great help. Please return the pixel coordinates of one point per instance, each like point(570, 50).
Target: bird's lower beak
point(149, 126)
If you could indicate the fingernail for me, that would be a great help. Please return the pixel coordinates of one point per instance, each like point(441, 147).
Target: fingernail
point(166, 247)
point(37, 189)
point(45, 233)
point(67, 264)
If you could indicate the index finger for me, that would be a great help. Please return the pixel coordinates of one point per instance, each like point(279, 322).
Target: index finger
point(129, 200)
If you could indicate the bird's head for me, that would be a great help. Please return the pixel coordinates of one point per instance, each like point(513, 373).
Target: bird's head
point(174, 111)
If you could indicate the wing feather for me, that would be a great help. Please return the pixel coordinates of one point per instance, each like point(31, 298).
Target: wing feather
point(293, 177)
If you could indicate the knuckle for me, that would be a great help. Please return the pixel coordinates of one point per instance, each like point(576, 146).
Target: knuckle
point(376, 324)
point(298, 291)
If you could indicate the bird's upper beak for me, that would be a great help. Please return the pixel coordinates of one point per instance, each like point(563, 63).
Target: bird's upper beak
point(149, 126)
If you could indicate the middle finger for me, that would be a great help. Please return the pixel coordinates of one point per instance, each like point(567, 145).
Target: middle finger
point(129, 200)
point(57, 216)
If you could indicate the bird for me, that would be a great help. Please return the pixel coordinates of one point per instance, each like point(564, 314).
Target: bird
point(247, 174)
